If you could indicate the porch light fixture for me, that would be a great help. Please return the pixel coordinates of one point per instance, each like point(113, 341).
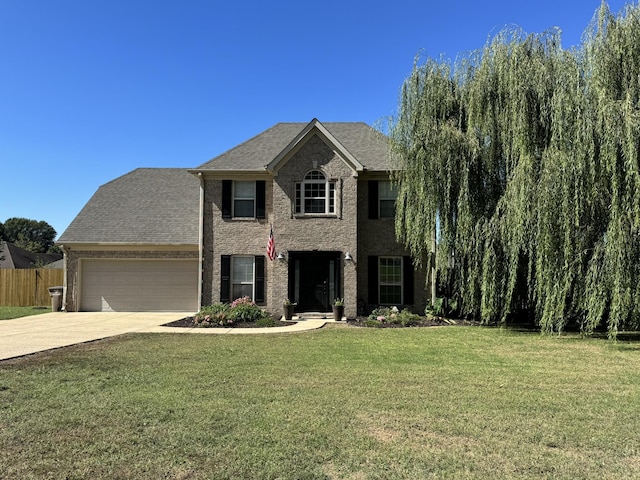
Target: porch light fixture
point(281, 257)
point(348, 257)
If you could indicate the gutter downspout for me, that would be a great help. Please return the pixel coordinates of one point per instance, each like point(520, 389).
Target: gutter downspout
point(64, 278)
point(200, 241)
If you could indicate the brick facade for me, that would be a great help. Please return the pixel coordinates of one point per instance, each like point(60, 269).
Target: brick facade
point(313, 247)
point(348, 230)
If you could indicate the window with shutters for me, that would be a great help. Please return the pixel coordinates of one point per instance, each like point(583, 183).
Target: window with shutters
point(244, 199)
point(390, 280)
point(315, 195)
point(240, 276)
point(387, 194)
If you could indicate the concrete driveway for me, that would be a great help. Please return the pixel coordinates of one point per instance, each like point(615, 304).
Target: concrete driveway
point(22, 336)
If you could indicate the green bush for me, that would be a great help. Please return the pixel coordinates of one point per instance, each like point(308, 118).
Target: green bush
point(391, 316)
point(266, 322)
point(216, 315)
point(247, 313)
point(438, 307)
point(408, 319)
point(384, 314)
point(226, 315)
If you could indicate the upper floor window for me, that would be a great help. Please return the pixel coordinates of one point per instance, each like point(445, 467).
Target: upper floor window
point(382, 199)
point(387, 194)
point(243, 199)
point(315, 194)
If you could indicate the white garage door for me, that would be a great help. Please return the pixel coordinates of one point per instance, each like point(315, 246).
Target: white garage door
point(139, 285)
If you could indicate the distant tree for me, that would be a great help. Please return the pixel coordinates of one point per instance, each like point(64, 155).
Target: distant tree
point(525, 158)
point(32, 235)
point(1, 232)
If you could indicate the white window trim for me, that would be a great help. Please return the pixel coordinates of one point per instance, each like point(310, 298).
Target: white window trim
point(234, 198)
point(381, 283)
point(329, 187)
point(253, 276)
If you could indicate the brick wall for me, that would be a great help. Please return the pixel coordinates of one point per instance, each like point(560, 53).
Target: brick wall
point(377, 237)
point(337, 233)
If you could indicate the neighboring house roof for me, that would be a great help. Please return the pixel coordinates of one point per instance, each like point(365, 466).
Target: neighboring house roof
point(12, 256)
point(56, 264)
point(365, 147)
point(145, 206)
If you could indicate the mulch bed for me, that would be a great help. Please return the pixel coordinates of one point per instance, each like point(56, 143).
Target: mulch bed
point(187, 322)
point(423, 322)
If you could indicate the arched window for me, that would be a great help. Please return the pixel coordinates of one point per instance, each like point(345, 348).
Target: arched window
point(315, 194)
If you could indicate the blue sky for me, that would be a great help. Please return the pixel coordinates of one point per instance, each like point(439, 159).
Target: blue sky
point(90, 90)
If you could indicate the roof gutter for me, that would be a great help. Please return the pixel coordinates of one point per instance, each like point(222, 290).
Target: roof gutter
point(226, 174)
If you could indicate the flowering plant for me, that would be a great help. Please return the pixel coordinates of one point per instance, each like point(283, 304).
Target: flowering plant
point(246, 300)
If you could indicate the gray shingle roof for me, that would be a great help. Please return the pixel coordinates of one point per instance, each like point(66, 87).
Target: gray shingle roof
point(12, 256)
point(147, 205)
point(367, 145)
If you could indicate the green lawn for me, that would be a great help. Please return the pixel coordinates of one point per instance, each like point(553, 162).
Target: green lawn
point(15, 312)
point(452, 402)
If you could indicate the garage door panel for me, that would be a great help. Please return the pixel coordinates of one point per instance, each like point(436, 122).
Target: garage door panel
point(139, 285)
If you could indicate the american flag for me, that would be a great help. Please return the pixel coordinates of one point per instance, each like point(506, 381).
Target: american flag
point(271, 246)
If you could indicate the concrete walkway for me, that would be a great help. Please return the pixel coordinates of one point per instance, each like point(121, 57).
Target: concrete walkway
point(36, 333)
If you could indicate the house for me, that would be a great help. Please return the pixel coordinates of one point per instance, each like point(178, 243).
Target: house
point(12, 256)
point(174, 239)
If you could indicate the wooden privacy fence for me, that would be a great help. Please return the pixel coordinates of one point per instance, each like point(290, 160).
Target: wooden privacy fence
point(28, 287)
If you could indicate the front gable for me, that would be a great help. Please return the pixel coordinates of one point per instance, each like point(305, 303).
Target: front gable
point(314, 129)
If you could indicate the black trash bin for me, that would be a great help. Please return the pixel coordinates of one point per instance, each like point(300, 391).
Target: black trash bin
point(56, 298)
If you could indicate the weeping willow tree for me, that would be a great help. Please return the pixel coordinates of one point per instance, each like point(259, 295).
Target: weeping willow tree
point(525, 158)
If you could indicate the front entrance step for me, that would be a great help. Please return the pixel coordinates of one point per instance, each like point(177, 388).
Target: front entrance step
point(315, 316)
point(302, 316)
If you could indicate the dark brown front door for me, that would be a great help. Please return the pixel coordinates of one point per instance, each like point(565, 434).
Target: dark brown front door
point(314, 280)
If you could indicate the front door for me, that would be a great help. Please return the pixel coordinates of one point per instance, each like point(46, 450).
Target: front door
point(314, 280)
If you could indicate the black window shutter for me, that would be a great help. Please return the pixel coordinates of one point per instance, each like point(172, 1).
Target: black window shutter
point(407, 269)
point(373, 199)
point(373, 280)
point(226, 198)
point(260, 199)
point(225, 278)
point(259, 259)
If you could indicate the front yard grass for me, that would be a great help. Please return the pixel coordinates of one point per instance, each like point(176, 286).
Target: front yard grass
point(7, 313)
point(453, 402)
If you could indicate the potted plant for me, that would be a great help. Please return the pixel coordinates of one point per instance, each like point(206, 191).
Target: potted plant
point(338, 309)
point(288, 309)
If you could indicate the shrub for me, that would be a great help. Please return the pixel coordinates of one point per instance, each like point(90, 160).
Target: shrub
point(216, 315)
point(266, 322)
point(391, 315)
point(242, 301)
point(408, 319)
point(226, 315)
point(440, 308)
point(245, 310)
point(385, 315)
